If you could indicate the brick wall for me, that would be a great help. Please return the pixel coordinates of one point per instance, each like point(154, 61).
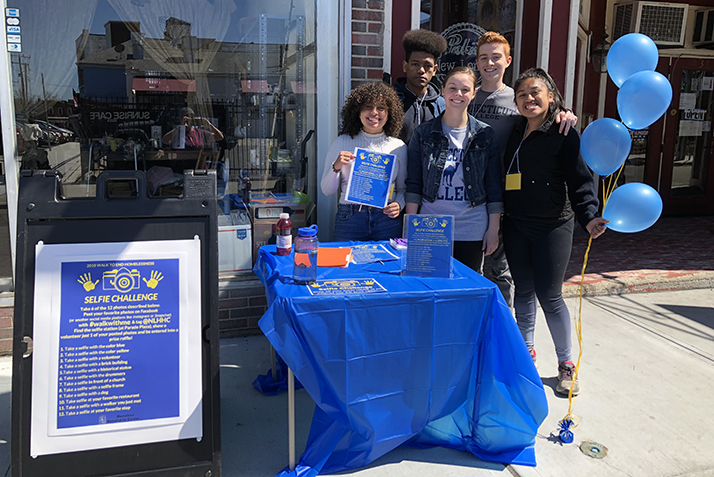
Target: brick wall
point(367, 41)
point(240, 306)
point(6, 314)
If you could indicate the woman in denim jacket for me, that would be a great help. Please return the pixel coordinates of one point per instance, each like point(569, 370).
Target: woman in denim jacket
point(454, 168)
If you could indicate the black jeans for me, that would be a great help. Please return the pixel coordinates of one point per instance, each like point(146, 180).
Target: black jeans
point(470, 254)
point(538, 255)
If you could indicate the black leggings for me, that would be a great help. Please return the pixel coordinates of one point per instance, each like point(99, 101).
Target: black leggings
point(470, 254)
point(538, 255)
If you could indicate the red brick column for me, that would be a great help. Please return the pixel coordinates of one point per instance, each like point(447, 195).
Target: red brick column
point(367, 41)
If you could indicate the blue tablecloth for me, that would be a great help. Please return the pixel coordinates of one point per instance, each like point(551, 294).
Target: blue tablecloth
point(429, 362)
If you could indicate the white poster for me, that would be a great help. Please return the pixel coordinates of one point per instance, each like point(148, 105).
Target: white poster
point(687, 100)
point(117, 345)
point(708, 83)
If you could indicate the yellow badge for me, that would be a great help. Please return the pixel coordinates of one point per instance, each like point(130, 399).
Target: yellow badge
point(513, 181)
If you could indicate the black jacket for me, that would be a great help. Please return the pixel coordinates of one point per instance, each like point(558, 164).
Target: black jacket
point(418, 110)
point(555, 181)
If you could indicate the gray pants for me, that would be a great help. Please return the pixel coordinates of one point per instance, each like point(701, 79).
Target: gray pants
point(501, 273)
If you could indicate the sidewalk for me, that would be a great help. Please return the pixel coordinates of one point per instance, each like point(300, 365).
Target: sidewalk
point(676, 253)
point(647, 396)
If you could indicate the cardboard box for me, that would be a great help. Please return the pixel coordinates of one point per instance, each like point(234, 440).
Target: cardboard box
point(234, 249)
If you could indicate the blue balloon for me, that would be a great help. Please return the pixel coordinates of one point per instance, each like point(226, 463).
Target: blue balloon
point(631, 54)
point(643, 99)
point(632, 207)
point(605, 145)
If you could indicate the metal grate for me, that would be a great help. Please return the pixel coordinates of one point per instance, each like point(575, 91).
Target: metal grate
point(623, 20)
point(663, 24)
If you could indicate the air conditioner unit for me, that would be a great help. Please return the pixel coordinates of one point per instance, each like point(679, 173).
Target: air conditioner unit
point(664, 22)
point(703, 34)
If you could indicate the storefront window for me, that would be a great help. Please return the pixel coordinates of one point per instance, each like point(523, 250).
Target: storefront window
point(462, 22)
point(161, 86)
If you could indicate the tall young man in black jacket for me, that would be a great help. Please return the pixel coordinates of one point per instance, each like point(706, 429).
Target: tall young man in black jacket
point(421, 98)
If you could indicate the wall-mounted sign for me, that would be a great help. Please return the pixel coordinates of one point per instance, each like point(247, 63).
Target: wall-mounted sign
point(461, 40)
point(12, 19)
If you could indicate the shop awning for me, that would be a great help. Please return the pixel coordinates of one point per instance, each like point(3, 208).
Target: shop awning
point(164, 85)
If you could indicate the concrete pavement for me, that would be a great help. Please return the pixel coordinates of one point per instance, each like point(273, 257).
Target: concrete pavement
point(647, 396)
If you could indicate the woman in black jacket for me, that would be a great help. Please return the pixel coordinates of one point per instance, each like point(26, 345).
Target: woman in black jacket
point(548, 186)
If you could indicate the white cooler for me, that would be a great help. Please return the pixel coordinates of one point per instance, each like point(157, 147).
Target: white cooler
point(234, 248)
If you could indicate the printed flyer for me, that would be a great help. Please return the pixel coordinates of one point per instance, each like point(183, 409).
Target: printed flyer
point(430, 241)
point(370, 178)
point(117, 345)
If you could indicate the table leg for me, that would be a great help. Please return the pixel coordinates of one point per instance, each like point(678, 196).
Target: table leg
point(291, 419)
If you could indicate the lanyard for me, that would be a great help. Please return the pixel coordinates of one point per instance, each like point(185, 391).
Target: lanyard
point(486, 100)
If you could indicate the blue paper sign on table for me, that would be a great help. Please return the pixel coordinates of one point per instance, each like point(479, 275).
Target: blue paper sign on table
point(370, 178)
point(372, 252)
point(430, 239)
point(119, 342)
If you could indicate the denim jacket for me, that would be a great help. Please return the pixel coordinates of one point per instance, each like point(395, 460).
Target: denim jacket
point(427, 154)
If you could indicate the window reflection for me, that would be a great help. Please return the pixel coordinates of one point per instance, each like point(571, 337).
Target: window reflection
point(162, 86)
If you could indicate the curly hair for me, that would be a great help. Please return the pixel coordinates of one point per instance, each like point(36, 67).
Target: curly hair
point(494, 37)
point(558, 103)
point(369, 94)
point(423, 40)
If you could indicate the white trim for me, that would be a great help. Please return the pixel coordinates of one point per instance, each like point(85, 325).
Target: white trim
point(571, 54)
point(345, 47)
point(602, 93)
point(387, 41)
point(544, 30)
point(7, 112)
point(518, 41)
point(416, 14)
point(582, 66)
point(330, 87)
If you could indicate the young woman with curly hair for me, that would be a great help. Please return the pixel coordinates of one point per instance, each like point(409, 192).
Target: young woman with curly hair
point(371, 119)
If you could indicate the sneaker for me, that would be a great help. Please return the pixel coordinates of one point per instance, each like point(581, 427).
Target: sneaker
point(566, 370)
point(533, 356)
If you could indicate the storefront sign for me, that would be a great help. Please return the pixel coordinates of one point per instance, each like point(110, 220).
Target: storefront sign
point(120, 336)
point(120, 115)
point(461, 40)
point(692, 122)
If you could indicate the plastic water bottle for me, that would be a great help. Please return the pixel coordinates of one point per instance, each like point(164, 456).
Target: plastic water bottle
point(284, 241)
point(305, 261)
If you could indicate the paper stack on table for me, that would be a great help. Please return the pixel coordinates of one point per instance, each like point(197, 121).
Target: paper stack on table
point(334, 257)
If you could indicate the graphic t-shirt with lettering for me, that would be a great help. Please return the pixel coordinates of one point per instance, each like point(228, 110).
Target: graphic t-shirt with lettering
point(470, 223)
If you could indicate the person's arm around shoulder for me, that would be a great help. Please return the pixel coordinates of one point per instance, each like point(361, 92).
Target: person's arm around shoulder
point(567, 120)
point(415, 178)
point(394, 207)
